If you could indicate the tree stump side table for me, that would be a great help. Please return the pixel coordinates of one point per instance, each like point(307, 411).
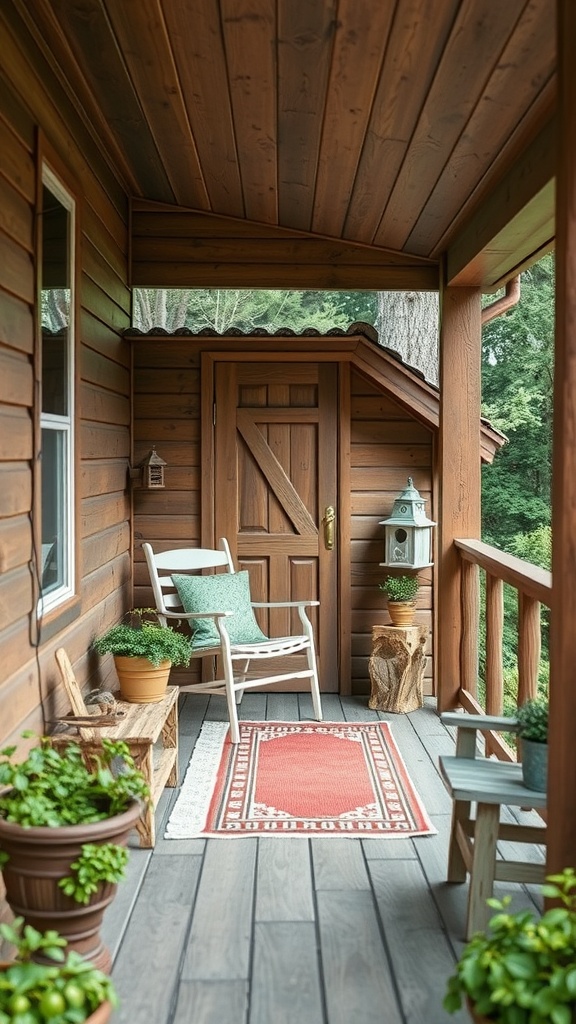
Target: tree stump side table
point(396, 668)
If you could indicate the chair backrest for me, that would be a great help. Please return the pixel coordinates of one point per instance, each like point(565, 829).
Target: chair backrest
point(162, 564)
point(74, 692)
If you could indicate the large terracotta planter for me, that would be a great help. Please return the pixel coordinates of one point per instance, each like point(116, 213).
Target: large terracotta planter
point(39, 857)
point(401, 612)
point(140, 681)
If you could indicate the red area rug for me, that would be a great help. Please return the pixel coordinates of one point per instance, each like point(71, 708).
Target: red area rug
point(298, 778)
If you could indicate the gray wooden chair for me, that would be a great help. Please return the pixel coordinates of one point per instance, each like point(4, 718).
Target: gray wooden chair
point(486, 784)
point(220, 612)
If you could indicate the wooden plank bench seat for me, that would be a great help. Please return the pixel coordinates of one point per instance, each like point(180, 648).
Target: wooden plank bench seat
point(150, 730)
point(487, 784)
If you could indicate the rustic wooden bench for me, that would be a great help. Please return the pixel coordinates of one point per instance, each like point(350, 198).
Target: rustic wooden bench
point(489, 784)
point(150, 730)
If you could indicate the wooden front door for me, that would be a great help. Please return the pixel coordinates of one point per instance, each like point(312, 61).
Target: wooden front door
point(275, 475)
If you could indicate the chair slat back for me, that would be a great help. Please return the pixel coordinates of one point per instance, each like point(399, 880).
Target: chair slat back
point(162, 564)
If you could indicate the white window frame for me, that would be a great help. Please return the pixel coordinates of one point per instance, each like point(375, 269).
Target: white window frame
point(64, 424)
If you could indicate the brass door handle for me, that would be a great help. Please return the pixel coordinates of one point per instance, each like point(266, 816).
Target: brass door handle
point(329, 520)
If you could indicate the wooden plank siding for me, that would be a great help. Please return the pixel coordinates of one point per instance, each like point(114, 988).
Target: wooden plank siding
point(176, 247)
point(36, 118)
point(387, 445)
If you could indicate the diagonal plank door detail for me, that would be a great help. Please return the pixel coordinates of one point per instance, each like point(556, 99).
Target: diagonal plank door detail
point(275, 473)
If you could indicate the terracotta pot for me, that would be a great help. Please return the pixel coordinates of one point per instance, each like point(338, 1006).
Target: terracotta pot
point(39, 857)
point(401, 612)
point(140, 681)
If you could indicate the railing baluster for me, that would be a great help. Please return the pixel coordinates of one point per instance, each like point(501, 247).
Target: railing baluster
point(529, 646)
point(494, 634)
point(470, 624)
point(534, 588)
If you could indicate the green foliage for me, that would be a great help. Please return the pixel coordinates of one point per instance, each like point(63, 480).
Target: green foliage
point(144, 638)
point(97, 863)
point(55, 787)
point(517, 391)
point(250, 310)
point(65, 992)
point(522, 970)
point(400, 588)
point(533, 719)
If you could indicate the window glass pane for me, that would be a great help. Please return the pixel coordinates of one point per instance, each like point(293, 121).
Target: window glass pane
point(54, 509)
point(56, 304)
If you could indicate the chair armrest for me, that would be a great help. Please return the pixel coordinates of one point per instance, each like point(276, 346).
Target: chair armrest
point(285, 604)
point(486, 723)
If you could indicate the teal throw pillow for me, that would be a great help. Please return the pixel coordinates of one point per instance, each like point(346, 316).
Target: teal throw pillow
point(222, 592)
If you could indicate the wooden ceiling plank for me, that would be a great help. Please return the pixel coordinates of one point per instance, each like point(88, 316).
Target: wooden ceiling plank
point(359, 46)
point(411, 58)
point(195, 34)
point(494, 122)
point(474, 48)
point(99, 77)
point(249, 31)
point(142, 37)
point(528, 181)
point(305, 37)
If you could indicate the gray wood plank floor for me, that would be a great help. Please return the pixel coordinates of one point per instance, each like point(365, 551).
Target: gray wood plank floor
point(277, 931)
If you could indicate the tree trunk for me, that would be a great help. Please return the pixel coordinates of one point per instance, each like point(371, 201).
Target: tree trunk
point(408, 323)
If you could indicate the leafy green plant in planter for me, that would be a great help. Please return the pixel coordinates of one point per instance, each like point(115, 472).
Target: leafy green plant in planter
point(532, 718)
point(66, 989)
point(522, 970)
point(64, 824)
point(144, 638)
point(401, 590)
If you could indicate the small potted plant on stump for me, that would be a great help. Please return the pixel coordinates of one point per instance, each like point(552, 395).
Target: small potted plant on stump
point(532, 718)
point(401, 593)
point(64, 825)
point(144, 651)
point(522, 970)
point(64, 988)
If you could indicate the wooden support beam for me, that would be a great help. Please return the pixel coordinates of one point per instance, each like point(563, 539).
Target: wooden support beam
point(562, 763)
point(459, 470)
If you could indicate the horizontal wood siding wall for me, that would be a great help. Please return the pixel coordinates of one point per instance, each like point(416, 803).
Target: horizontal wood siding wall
point(31, 99)
point(175, 247)
point(386, 447)
point(167, 414)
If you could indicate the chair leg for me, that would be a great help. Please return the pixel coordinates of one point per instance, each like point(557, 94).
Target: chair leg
point(314, 685)
point(241, 678)
point(231, 697)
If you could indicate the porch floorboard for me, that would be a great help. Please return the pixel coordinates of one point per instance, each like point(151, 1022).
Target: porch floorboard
point(277, 931)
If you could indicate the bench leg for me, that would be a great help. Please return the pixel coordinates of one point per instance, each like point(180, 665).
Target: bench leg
point(456, 862)
point(483, 867)
point(169, 737)
point(146, 825)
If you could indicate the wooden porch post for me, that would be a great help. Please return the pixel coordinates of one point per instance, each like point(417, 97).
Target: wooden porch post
point(562, 764)
point(459, 471)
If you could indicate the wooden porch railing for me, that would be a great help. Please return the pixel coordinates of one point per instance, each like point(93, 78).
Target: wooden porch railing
point(534, 588)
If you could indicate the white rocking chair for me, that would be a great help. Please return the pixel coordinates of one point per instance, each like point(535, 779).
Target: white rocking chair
point(220, 612)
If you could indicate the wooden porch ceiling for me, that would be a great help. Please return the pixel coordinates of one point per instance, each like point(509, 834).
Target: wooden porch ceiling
point(402, 129)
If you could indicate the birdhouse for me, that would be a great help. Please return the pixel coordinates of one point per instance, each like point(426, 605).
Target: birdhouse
point(152, 468)
point(408, 532)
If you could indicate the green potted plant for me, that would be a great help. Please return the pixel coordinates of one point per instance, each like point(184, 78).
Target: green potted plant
point(65, 819)
point(401, 593)
point(522, 970)
point(532, 718)
point(64, 989)
point(144, 651)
